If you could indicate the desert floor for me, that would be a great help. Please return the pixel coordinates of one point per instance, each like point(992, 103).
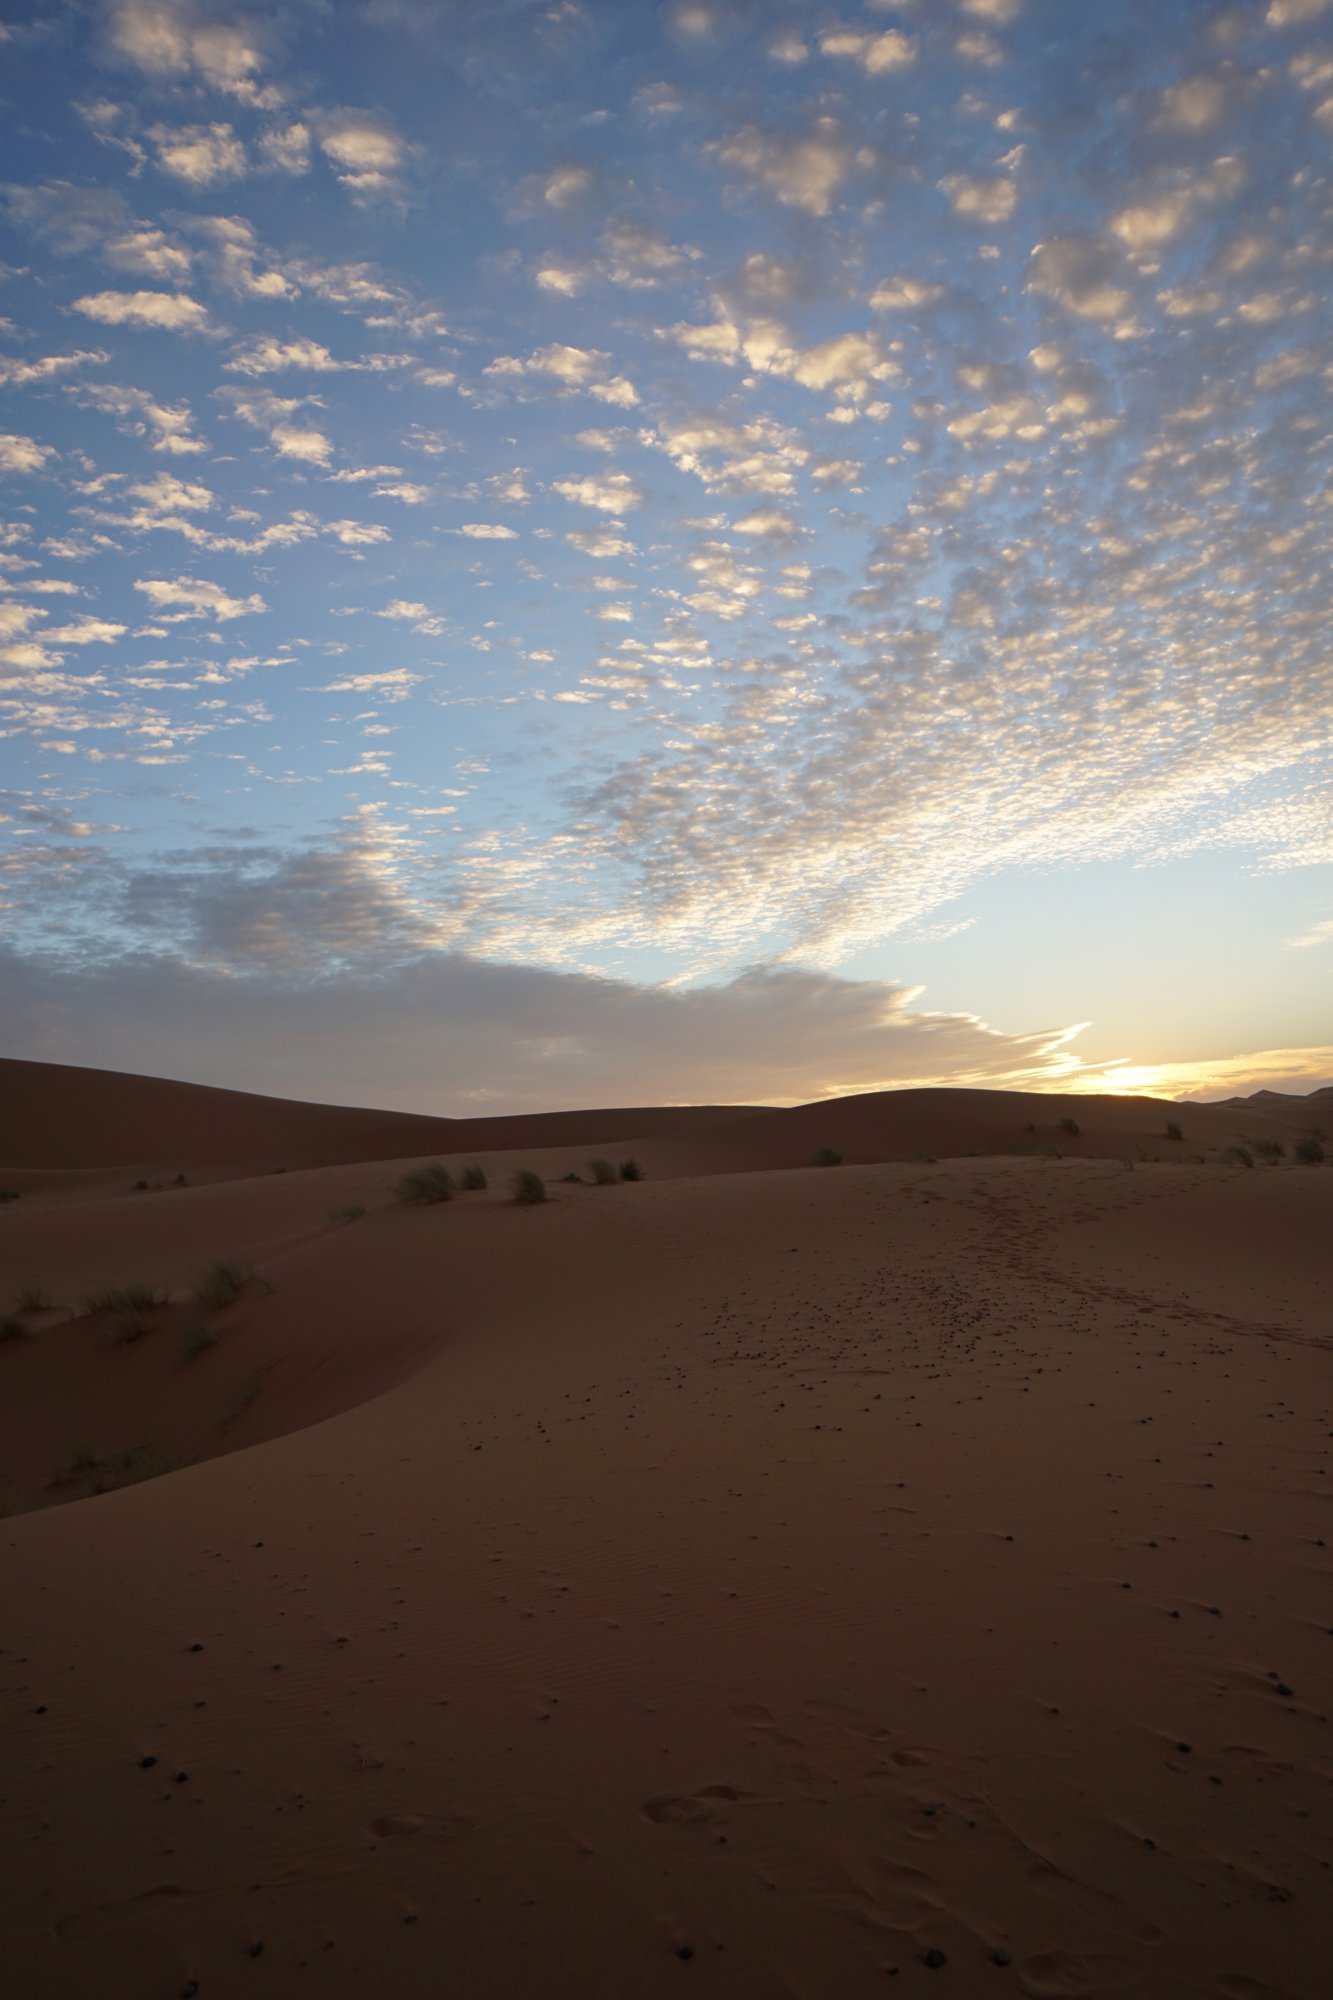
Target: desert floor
point(745, 1582)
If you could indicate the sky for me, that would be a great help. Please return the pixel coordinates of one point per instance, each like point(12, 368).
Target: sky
point(606, 552)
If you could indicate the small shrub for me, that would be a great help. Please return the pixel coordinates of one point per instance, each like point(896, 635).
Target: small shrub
point(352, 1214)
point(630, 1170)
point(129, 1328)
point(1071, 1126)
point(571, 1176)
point(827, 1156)
point(32, 1299)
point(433, 1183)
point(1309, 1151)
point(14, 1328)
point(196, 1340)
point(220, 1285)
point(472, 1179)
point(140, 1187)
point(143, 1461)
point(1029, 1127)
point(1267, 1149)
point(1173, 1130)
point(125, 1299)
point(602, 1172)
point(180, 1181)
point(1238, 1156)
point(10, 1194)
point(529, 1187)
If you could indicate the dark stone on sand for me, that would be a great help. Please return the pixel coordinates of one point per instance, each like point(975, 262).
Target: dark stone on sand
point(1283, 1689)
point(1002, 1957)
point(190, 1988)
point(935, 1958)
point(147, 1763)
point(256, 1949)
point(684, 1951)
point(182, 1777)
point(1184, 1749)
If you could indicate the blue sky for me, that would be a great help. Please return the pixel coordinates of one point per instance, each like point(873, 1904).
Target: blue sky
point(723, 550)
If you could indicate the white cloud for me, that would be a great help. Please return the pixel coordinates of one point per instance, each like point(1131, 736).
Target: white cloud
point(192, 597)
point(174, 312)
point(287, 147)
point(878, 55)
point(23, 454)
point(905, 294)
point(85, 631)
point(1082, 273)
point(981, 198)
point(17, 374)
point(768, 524)
point(1001, 12)
point(487, 531)
point(1295, 13)
point(1318, 934)
point(803, 170)
point(167, 38)
point(168, 426)
point(201, 155)
point(609, 492)
point(583, 369)
point(303, 442)
point(267, 355)
point(365, 152)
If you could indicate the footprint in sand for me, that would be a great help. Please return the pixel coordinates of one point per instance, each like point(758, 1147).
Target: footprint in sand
point(1072, 1975)
point(753, 1715)
point(695, 1808)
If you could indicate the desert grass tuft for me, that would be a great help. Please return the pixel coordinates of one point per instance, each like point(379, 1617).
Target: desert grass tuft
point(242, 1403)
point(14, 1328)
point(1267, 1149)
point(10, 1194)
point(221, 1284)
point(1238, 1156)
point(1071, 1126)
point(1173, 1130)
point(529, 1187)
point(124, 1299)
point(32, 1299)
point(352, 1214)
point(433, 1183)
point(630, 1170)
point(196, 1340)
point(472, 1179)
point(828, 1156)
point(603, 1173)
point(1309, 1151)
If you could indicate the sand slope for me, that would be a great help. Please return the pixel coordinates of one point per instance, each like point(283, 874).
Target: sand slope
point(803, 1571)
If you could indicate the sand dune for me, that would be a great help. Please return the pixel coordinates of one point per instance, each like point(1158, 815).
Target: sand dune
point(758, 1579)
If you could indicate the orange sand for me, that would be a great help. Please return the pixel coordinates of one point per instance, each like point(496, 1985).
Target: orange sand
point(771, 1564)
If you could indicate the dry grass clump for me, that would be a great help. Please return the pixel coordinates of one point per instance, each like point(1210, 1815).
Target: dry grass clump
point(1238, 1156)
point(129, 1327)
point(529, 1187)
point(433, 1183)
point(828, 1156)
point(353, 1213)
point(221, 1284)
point(32, 1299)
point(1309, 1150)
point(630, 1170)
point(124, 1299)
point(1173, 1130)
point(472, 1179)
point(1071, 1126)
point(14, 1328)
point(603, 1173)
point(1267, 1149)
point(196, 1340)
